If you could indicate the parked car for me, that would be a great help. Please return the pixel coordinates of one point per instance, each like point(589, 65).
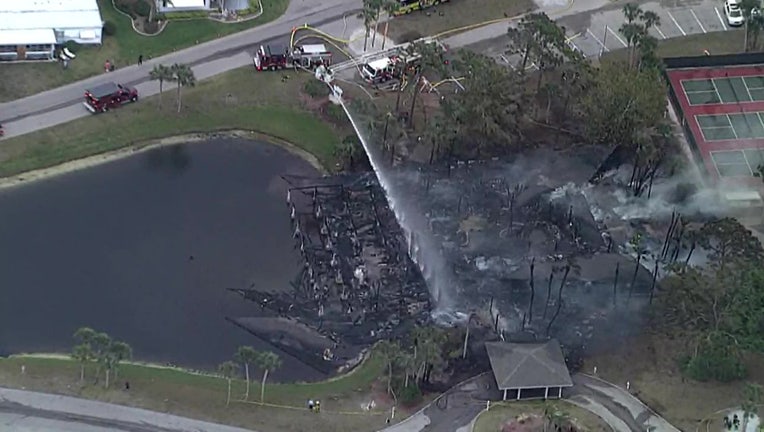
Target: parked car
point(108, 96)
point(734, 13)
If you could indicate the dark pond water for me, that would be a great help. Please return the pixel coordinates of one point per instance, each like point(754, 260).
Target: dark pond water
point(145, 247)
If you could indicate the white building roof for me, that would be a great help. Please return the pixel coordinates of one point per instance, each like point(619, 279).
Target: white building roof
point(49, 14)
point(27, 37)
point(176, 4)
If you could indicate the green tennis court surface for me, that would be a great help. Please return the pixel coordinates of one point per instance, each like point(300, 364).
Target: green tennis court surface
point(733, 163)
point(724, 90)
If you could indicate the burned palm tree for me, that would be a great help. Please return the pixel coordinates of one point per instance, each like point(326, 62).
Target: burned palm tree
point(559, 298)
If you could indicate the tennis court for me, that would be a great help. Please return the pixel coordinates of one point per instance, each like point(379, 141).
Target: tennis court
point(726, 90)
point(735, 163)
point(737, 126)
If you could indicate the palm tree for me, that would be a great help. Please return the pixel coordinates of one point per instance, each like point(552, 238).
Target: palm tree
point(390, 351)
point(245, 356)
point(347, 150)
point(430, 60)
point(407, 363)
point(183, 75)
point(267, 361)
point(376, 6)
point(119, 351)
point(228, 369)
point(84, 335)
point(368, 15)
point(100, 344)
point(83, 354)
point(632, 12)
point(389, 6)
point(162, 74)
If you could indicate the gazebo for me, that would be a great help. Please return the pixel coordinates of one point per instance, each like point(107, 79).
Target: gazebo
point(529, 370)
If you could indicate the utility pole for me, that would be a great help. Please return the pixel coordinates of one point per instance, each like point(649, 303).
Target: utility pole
point(604, 41)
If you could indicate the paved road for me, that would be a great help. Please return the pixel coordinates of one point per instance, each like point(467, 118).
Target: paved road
point(24, 411)
point(63, 104)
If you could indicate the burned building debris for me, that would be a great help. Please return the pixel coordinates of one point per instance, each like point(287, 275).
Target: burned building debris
point(357, 283)
point(523, 238)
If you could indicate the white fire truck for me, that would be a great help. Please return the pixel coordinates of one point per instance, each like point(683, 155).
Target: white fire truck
point(274, 57)
point(387, 68)
point(310, 56)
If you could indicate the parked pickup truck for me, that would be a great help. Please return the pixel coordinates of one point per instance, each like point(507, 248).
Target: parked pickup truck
point(108, 96)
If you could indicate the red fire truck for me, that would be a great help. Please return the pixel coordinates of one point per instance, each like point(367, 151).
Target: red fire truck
point(270, 57)
point(107, 96)
point(274, 57)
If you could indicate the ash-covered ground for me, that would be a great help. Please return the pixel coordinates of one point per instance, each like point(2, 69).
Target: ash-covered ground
point(527, 246)
point(357, 284)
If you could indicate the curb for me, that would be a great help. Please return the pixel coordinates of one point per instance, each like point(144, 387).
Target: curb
point(434, 401)
point(132, 23)
point(632, 397)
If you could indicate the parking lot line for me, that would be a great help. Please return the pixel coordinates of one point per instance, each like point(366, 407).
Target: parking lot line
point(676, 23)
point(598, 41)
point(696, 19)
point(616, 36)
point(660, 32)
point(718, 14)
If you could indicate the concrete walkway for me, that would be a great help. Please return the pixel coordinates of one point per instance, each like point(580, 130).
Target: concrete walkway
point(454, 411)
point(616, 406)
point(31, 411)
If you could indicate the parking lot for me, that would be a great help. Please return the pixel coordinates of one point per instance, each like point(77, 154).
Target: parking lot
point(598, 33)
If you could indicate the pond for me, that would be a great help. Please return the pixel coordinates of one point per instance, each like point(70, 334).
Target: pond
point(146, 247)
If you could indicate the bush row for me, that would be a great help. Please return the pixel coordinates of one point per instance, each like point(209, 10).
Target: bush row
point(169, 16)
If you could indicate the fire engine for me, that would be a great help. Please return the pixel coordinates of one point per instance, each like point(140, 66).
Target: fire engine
point(107, 96)
point(273, 57)
point(408, 6)
point(270, 57)
point(388, 68)
point(310, 56)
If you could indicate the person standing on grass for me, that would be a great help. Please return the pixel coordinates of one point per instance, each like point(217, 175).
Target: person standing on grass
point(140, 59)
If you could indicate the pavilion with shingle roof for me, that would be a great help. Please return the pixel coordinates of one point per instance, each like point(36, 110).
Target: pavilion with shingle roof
point(529, 370)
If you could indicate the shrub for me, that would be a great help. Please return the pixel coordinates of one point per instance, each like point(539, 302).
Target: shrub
point(169, 16)
point(335, 113)
point(72, 46)
point(125, 6)
point(142, 8)
point(410, 395)
point(315, 89)
point(109, 29)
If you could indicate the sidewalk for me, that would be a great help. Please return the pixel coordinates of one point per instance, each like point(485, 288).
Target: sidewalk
point(616, 406)
point(90, 413)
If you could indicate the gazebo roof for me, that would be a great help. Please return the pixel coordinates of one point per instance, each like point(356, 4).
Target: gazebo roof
point(528, 365)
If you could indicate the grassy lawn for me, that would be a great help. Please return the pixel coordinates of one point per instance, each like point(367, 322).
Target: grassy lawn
point(493, 419)
point(452, 15)
point(240, 99)
point(203, 397)
point(23, 79)
point(650, 363)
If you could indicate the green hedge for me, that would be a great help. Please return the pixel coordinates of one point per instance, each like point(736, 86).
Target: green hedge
point(169, 16)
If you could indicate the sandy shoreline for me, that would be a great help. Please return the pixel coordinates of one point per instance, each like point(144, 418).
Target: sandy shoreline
point(91, 161)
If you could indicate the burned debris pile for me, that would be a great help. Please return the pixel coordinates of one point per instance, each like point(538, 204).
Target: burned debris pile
point(521, 238)
point(357, 284)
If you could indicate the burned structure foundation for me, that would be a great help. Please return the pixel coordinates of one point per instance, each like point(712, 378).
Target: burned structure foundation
point(357, 284)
